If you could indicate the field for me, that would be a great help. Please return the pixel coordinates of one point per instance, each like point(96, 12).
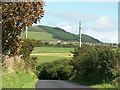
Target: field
point(47, 59)
point(50, 54)
point(52, 50)
point(50, 33)
point(39, 36)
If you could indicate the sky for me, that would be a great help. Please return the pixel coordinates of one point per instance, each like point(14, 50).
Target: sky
point(99, 19)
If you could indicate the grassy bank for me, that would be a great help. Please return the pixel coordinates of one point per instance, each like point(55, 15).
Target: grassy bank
point(19, 79)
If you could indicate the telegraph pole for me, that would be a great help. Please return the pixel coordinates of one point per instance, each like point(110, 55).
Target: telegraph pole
point(26, 32)
point(79, 34)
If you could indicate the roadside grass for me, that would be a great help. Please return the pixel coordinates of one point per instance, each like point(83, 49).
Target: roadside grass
point(19, 79)
point(52, 50)
point(107, 86)
point(100, 86)
point(104, 85)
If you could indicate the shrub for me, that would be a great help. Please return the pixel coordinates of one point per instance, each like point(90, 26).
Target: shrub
point(119, 45)
point(96, 64)
point(39, 44)
point(27, 47)
point(58, 70)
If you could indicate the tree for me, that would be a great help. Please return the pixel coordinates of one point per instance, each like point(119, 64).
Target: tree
point(96, 64)
point(15, 17)
point(119, 45)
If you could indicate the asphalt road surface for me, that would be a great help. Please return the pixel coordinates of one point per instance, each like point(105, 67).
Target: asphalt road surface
point(60, 84)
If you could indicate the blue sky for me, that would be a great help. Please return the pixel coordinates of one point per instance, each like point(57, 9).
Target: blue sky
point(99, 19)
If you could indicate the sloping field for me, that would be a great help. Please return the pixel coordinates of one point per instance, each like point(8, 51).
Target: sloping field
point(51, 33)
point(39, 35)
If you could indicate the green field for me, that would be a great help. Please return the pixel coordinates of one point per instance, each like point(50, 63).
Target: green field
point(39, 35)
point(41, 32)
point(52, 50)
point(47, 59)
point(50, 54)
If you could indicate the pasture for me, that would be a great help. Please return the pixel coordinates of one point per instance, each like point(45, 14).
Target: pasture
point(47, 59)
point(52, 50)
point(50, 54)
point(38, 35)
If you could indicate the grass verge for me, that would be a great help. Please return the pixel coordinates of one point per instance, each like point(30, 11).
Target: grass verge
point(105, 85)
point(19, 79)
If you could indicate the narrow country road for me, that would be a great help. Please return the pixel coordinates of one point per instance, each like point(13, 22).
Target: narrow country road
point(60, 84)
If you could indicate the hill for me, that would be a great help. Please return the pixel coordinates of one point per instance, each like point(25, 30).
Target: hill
point(51, 33)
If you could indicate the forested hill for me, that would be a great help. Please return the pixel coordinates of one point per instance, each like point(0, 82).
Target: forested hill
point(60, 34)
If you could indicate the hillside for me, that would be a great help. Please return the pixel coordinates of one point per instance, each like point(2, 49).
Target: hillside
point(51, 33)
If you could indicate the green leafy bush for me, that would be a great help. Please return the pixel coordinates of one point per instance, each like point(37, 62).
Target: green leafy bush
point(26, 49)
point(96, 64)
point(39, 44)
point(119, 45)
point(58, 70)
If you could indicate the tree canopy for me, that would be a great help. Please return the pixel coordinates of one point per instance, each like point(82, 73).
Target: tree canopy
point(15, 17)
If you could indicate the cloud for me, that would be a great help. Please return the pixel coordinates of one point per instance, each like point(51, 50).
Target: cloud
point(65, 26)
point(73, 16)
point(111, 36)
point(102, 28)
point(69, 27)
point(103, 23)
point(104, 36)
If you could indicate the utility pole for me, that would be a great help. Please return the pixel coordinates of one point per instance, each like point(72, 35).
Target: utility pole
point(26, 32)
point(79, 34)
